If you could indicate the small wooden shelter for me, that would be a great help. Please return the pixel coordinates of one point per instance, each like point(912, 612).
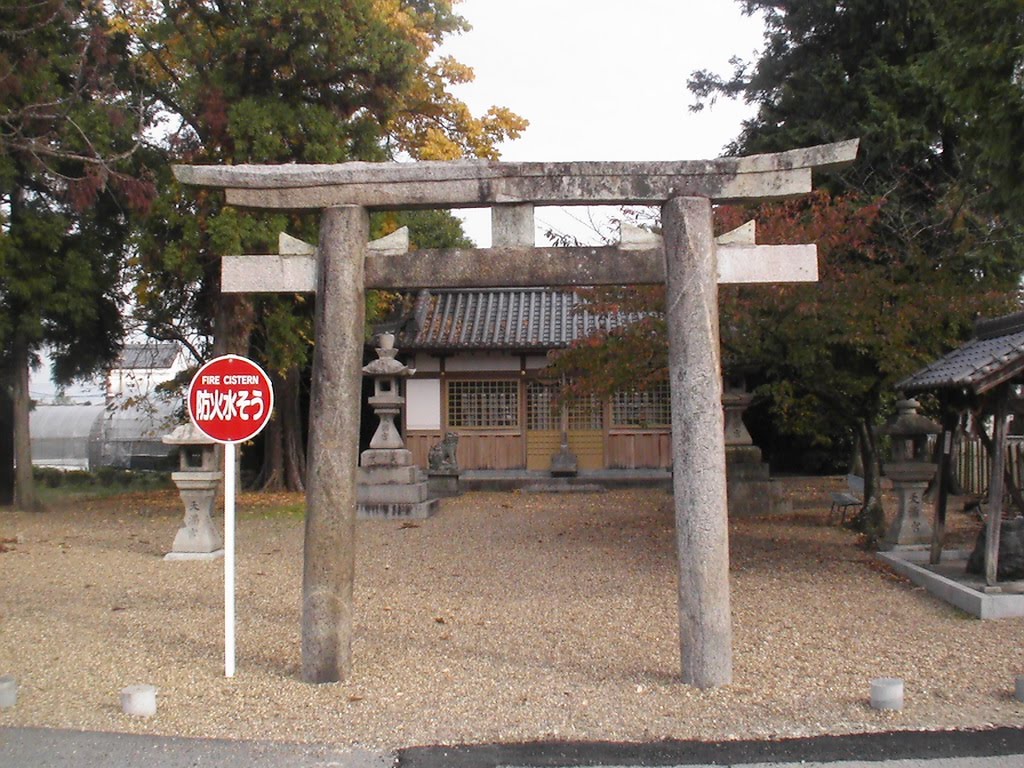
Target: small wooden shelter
point(986, 374)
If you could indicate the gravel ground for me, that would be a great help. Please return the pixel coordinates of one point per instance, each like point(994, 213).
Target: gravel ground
point(507, 617)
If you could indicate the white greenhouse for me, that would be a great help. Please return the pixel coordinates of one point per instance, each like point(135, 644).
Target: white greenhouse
point(86, 437)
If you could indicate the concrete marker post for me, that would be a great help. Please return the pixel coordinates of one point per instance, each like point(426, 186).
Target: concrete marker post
point(887, 693)
point(8, 691)
point(139, 700)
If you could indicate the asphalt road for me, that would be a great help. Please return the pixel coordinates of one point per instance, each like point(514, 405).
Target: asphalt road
point(50, 748)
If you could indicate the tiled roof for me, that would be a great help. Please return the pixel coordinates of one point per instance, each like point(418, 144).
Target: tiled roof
point(528, 318)
point(140, 356)
point(993, 356)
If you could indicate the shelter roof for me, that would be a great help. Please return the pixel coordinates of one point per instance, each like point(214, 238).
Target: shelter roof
point(502, 318)
point(142, 356)
point(993, 356)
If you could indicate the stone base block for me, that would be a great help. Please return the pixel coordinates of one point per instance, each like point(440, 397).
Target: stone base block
point(443, 484)
point(739, 472)
point(392, 494)
point(384, 511)
point(564, 464)
point(139, 700)
point(887, 693)
point(754, 498)
point(386, 457)
point(388, 475)
point(743, 454)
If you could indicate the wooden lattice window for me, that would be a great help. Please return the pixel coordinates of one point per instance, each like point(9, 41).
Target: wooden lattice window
point(493, 404)
point(650, 408)
point(542, 406)
point(586, 413)
point(542, 409)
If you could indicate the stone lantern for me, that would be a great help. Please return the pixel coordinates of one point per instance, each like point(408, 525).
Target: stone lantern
point(388, 483)
point(749, 486)
point(385, 401)
point(911, 469)
point(197, 480)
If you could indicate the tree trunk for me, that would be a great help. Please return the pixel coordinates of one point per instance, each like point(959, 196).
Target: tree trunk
point(6, 445)
point(291, 427)
point(871, 520)
point(232, 328)
point(24, 483)
point(271, 477)
point(233, 324)
point(284, 460)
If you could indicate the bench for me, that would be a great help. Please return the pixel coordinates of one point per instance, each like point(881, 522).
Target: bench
point(842, 501)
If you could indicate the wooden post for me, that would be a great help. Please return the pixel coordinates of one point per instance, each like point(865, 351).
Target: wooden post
point(329, 566)
point(698, 443)
point(995, 486)
point(950, 418)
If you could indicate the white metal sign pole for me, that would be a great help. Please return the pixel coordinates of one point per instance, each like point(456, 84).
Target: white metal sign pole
point(229, 559)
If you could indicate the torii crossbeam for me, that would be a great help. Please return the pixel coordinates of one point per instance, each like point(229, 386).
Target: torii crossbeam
point(687, 260)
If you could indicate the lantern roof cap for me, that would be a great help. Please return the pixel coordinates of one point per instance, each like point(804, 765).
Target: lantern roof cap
point(909, 423)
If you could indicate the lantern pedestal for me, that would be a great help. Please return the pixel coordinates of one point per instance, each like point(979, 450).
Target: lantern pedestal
point(910, 528)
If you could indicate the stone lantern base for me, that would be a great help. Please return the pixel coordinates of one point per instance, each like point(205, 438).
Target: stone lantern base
point(389, 485)
point(910, 528)
point(749, 487)
point(198, 538)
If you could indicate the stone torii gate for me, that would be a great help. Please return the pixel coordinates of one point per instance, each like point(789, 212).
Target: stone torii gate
point(688, 260)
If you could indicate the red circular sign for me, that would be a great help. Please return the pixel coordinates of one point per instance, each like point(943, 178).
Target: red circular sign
point(230, 399)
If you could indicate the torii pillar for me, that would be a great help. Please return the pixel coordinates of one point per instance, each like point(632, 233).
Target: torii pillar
point(687, 260)
point(698, 441)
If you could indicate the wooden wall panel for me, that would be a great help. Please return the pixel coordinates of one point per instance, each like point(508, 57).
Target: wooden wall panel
point(588, 445)
point(541, 445)
point(490, 450)
point(639, 449)
point(419, 443)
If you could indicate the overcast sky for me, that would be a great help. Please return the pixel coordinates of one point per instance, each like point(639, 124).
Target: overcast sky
point(603, 81)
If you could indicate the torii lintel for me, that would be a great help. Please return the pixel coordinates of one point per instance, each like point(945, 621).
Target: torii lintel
point(480, 183)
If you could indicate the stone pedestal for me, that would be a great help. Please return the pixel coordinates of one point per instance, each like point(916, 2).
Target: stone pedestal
point(443, 483)
point(564, 463)
point(748, 481)
point(389, 485)
point(198, 483)
point(910, 528)
point(198, 538)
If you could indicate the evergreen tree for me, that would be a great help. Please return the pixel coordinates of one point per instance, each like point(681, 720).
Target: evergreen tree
point(939, 170)
point(68, 133)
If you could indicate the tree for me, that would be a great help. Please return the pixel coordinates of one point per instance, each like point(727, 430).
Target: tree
point(68, 134)
point(282, 81)
point(906, 77)
point(918, 237)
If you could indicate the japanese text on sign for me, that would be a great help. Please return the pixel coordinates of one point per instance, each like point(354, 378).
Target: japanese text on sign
point(236, 404)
